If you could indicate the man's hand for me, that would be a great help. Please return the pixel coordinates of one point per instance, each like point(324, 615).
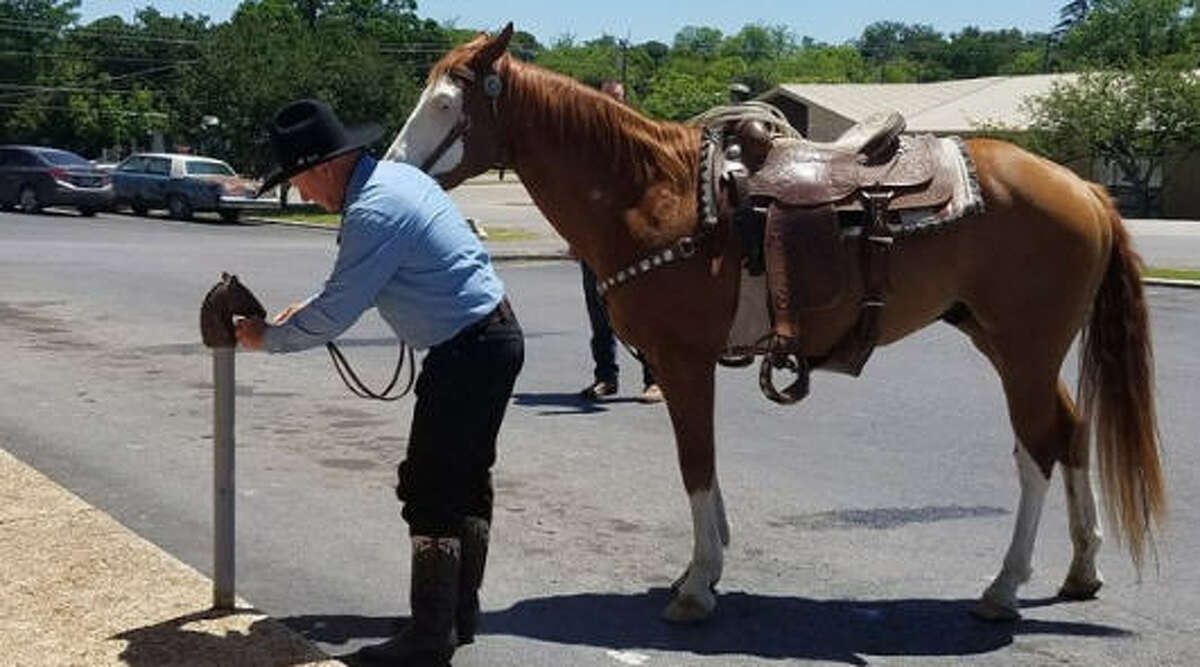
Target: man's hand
point(286, 314)
point(250, 332)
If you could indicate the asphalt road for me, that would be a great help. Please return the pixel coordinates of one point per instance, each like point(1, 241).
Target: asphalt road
point(865, 520)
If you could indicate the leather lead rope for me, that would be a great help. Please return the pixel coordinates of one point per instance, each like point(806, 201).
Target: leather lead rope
point(360, 389)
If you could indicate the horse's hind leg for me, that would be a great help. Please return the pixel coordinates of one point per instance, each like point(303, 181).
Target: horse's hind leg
point(1046, 425)
point(1083, 579)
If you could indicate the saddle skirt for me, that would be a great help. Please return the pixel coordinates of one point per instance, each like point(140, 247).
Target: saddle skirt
point(933, 191)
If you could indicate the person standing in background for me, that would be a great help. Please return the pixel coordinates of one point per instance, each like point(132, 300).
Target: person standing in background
point(604, 343)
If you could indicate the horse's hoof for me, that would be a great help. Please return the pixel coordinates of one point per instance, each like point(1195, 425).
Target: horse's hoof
point(989, 610)
point(690, 608)
point(1080, 589)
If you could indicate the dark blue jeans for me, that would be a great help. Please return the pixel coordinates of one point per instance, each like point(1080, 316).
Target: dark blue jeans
point(604, 343)
point(462, 392)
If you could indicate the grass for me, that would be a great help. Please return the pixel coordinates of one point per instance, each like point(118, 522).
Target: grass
point(308, 218)
point(1171, 274)
point(502, 234)
point(495, 234)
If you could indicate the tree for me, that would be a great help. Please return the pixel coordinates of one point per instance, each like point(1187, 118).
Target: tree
point(1123, 33)
point(679, 95)
point(974, 53)
point(29, 28)
point(1072, 14)
point(758, 42)
point(1138, 120)
point(903, 52)
point(698, 40)
point(366, 58)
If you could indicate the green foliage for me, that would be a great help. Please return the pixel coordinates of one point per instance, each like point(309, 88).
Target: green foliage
point(270, 53)
point(679, 95)
point(1123, 33)
point(697, 40)
point(1136, 119)
point(114, 82)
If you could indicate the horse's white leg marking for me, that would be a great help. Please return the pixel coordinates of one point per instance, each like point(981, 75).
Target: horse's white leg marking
point(1083, 579)
point(1000, 599)
point(694, 599)
point(722, 520)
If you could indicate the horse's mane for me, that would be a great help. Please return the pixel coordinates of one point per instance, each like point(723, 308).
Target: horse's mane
point(598, 124)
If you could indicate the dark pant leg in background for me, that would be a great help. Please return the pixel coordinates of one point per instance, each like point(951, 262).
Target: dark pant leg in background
point(604, 344)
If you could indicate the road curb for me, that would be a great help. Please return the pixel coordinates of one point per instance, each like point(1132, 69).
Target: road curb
point(1171, 282)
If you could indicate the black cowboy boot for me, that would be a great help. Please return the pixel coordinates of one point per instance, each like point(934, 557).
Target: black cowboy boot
point(475, 532)
point(428, 640)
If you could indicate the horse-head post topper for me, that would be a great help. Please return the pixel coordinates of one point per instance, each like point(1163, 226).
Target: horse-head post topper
point(1045, 255)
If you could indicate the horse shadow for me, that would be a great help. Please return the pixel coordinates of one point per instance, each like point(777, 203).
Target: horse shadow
point(772, 627)
point(572, 403)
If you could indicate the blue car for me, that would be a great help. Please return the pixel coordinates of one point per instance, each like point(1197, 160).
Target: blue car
point(184, 184)
point(33, 177)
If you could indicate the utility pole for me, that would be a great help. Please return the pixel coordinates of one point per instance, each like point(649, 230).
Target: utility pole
point(624, 45)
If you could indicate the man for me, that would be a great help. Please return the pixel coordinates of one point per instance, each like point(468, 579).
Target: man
point(603, 342)
point(407, 251)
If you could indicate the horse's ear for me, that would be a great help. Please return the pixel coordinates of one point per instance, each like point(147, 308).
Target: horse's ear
point(495, 46)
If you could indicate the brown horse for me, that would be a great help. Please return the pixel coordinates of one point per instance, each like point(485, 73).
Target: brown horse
point(1049, 255)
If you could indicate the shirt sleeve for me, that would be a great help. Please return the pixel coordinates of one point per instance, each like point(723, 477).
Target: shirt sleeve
point(370, 254)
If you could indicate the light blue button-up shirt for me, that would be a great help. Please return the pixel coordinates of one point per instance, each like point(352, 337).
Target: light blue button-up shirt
point(406, 250)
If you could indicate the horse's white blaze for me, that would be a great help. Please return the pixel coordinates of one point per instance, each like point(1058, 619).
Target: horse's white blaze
point(1018, 561)
point(1086, 535)
point(437, 112)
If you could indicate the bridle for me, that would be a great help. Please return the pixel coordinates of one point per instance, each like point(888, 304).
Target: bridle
point(492, 86)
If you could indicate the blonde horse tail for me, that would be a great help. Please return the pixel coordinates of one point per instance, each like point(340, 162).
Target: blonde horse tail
point(1116, 391)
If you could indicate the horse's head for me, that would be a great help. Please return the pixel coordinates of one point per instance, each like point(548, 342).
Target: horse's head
point(453, 132)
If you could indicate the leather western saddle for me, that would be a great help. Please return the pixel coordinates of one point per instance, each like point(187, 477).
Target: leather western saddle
point(802, 207)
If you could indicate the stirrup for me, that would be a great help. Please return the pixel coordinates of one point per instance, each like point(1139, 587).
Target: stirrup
point(780, 357)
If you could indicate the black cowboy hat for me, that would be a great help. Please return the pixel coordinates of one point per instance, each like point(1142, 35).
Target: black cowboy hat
point(306, 133)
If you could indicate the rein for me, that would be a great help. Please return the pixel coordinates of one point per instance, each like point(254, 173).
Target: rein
point(359, 388)
point(492, 87)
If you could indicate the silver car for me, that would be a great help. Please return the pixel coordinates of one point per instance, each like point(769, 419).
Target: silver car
point(33, 177)
point(185, 184)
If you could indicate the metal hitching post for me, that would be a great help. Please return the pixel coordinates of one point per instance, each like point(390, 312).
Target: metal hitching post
point(226, 299)
point(223, 478)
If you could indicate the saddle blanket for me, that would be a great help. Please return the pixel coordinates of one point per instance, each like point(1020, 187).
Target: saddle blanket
point(752, 321)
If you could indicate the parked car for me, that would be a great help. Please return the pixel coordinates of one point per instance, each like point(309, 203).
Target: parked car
point(34, 177)
point(184, 184)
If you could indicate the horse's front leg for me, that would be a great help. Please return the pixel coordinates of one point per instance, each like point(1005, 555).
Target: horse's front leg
point(688, 384)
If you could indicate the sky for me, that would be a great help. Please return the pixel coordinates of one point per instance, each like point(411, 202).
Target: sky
point(832, 21)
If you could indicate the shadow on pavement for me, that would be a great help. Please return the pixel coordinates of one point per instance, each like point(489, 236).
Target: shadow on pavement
point(574, 404)
point(745, 624)
point(212, 637)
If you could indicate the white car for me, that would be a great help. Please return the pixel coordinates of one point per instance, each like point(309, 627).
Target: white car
point(184, 184)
